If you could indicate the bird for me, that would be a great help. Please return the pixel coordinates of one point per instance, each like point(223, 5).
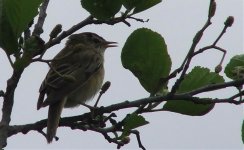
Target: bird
point(76, 74)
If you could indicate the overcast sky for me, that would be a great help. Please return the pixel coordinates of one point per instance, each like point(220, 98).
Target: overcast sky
point(177, 21)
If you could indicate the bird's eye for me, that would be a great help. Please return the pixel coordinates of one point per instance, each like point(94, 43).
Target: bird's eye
point(96, 40)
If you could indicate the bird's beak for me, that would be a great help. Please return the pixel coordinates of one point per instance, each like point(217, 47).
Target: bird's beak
point(110, 44)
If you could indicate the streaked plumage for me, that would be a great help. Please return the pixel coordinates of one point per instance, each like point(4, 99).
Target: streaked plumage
point(75, 76)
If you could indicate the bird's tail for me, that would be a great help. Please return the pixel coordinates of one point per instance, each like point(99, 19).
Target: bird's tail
point(54, 114)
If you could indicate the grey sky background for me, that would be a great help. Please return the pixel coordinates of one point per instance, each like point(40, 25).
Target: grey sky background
point(177, 21)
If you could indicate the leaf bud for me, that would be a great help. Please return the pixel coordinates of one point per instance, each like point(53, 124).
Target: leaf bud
point(212, 8)
point(229, 21)
point(105, 86)
point(218, 68)
point(56, 30)
point(125, 140)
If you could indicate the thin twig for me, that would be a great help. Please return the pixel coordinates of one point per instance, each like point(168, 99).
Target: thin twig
point(42, 60)
point(220, 35)
point(240, 94)
point(104, 88)
point(138, 19)
point(214, 46)
point(137, 133)
point(2, 93)
point(10, 60)
point(201, 50)
point(42, 133)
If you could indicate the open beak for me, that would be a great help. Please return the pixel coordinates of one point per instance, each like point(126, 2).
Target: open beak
point(110, 44)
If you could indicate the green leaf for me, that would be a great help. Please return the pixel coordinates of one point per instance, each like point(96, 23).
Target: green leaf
point(145, 55)
point(188, 108)
point(235, 68)
point(197, 78)
point(102, 9)
point(130, 4)
point(15, 15)
point(132, 121)
point(139, 5)
point(242, 132)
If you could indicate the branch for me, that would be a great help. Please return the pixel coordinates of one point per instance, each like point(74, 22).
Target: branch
point(138, 19)
point(228, 23)
point(212, 47)
point(2, 93)
point(8, 106)
point(240, 94)
point(218, 86)
point(41, 19)
point(186, 63)
point(13, 82)
point(67, 121)
point(89, 20)
point(82, 121)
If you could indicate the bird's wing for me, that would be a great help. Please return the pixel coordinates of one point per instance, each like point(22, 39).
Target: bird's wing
point(56, 79)
point(59, 76)
point(68, 76)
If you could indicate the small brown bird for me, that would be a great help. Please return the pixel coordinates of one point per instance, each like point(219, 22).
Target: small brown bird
point(75, 76)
